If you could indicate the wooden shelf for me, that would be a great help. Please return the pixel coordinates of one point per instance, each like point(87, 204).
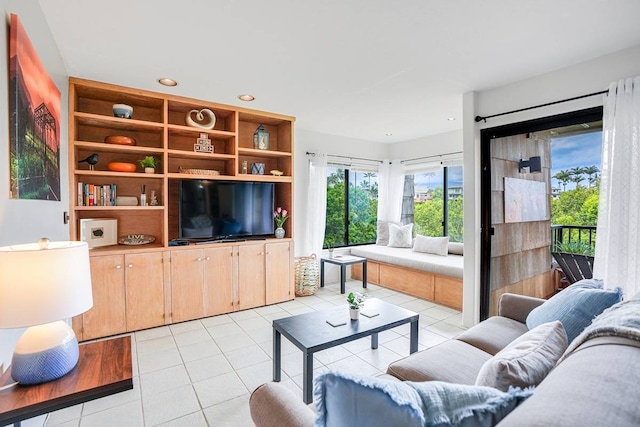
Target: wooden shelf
point(194, 176)
point(194, 132)
point(119, 174)
point(115, 122)
point(263, 178)
point(115, 148)
point(263, 153)
point(119, 208)
point(194, 155)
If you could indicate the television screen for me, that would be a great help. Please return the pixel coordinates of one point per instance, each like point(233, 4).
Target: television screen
point(220, 209)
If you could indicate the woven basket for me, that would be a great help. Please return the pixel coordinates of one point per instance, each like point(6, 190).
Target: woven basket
point(307, 275)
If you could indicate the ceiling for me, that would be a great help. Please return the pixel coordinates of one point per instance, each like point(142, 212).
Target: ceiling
point(354, 68)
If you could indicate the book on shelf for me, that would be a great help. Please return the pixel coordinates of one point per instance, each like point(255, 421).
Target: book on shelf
point(96, 195)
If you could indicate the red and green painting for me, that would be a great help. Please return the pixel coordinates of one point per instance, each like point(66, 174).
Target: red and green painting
point(34, 109)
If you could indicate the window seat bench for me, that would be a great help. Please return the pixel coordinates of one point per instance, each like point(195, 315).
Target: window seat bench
point(431, 277)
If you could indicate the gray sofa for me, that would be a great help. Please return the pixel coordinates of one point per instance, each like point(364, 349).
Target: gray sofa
point(596, 386)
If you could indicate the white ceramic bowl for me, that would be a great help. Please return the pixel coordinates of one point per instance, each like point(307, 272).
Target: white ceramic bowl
point(123, 111)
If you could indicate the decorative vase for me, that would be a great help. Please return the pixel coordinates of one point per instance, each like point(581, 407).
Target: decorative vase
point(331, 253)
point(279, 233)
point(149, 170)
point(354, 313)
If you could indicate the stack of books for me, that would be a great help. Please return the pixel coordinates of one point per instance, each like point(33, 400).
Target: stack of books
point(96, 195)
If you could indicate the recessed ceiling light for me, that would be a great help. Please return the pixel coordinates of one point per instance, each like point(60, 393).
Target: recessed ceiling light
point(388, 134)
point(451, 119)
point(246, 97)
point(167, 82)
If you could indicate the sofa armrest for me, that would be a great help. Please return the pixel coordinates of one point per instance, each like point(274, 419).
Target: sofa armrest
point(274, 405)
point(517, 307)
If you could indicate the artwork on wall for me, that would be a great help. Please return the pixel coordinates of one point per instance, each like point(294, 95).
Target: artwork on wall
point(525, 200)
point(34, 121)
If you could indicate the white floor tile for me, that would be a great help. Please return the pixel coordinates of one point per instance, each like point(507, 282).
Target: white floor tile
point(164, 379)
point(195, 419)
point(222, 319)
point(162, 359)
point(199, 350)
point(255, 375)
point(253, 323)
point(155, 344)
point(168, 405)
point(129, 414)
point(246, 356)
point(209, 367)
point(234, 342)
point(191, 325)
point(219, 389)
point(191, 337)
point(232, 413)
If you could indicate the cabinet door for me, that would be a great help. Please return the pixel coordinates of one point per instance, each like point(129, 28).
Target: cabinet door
point(187, 268)
point(250, 288)
point(145, 290)
point(218, 281)
point(107, 316)
point(279, 285)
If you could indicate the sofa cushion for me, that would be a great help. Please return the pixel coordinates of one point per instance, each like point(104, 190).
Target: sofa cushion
point(431, 245)
point(527, 360)
point(383, 232)
point(400, 236)
point(493, 334)
point(595, 386)
point(344, 399)
point(456, 248)
point(576, 306)
point(452, 361)
point(274, 405)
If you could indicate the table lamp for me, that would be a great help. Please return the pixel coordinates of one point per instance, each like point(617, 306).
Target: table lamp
point(41, 285)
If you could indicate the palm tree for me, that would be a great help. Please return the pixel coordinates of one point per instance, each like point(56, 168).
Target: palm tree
point(592, 171)
point(563, 176)
point(576, 174)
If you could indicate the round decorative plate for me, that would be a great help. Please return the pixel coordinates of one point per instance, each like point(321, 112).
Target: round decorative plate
point(120, 140)
point(136, 239)
point(121, 167)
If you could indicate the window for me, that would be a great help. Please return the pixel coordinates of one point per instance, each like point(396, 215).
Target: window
point(352, 207)
point(425, 206)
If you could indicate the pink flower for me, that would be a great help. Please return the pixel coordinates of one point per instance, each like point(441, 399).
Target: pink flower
point(284, 212)
point(279, 209)
point(275, 214)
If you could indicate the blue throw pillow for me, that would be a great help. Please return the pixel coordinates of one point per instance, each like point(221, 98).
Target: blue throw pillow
point(350, 400)
point(575, 306)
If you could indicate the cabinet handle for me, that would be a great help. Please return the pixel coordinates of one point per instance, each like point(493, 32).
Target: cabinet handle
point(118, 267)
point(208, 258)
point(261, 253)
point(130, 265)
point(198, 259)
point(268, 253)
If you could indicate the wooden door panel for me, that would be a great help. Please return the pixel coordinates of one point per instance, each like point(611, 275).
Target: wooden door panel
point(218, 281)
point(278, 272)
point(107, 316)
point(251, 271)
point(145, 290)
point(186, 285)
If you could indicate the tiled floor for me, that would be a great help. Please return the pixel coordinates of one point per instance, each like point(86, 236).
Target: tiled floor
point(201, 373)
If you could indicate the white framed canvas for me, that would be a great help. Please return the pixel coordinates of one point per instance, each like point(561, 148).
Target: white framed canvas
point(99, 231)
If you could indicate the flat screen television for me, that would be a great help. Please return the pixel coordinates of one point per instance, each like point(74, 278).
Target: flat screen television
point(225, 209)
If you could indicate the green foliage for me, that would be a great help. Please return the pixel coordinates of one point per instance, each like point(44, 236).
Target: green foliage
point(149, 162)
point(576, 207)
point(428, 216)
point(577, 247)
point(356, 299)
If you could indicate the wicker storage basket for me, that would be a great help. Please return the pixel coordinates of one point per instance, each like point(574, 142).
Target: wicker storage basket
point(307, 275)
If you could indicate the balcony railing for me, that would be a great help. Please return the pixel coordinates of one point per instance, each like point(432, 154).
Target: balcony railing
point(578, 239)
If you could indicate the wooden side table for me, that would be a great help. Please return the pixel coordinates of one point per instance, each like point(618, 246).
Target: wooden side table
point(103, 368)
point(343, 261)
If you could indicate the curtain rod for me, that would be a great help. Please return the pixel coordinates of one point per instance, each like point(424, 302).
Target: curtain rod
point(430, 157)
point(481, 118)
point(346, 157)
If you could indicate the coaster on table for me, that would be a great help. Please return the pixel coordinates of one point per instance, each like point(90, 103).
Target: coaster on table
point(369, 313)
point(336, 322)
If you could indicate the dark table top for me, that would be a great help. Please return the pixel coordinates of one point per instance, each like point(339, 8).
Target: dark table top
point(104, 368)
point(312, 332)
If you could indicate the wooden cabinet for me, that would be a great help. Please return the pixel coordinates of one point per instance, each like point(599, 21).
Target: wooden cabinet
point(107, 316)
point(279, 284)
point(187, 292)
point(128, 295)
point(218, 281)
point(144, 285)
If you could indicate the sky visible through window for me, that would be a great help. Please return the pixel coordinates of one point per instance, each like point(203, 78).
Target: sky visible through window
point(572, 151)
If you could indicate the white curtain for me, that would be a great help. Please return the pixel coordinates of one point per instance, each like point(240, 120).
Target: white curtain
point(316, 206)
point(390, 186)
point(617, 259)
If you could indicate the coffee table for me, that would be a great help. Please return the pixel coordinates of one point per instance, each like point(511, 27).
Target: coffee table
point(311, 332)
point(343, 261)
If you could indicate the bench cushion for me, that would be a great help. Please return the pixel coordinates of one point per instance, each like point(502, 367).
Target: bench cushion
point(493, 334)
point(451, 265)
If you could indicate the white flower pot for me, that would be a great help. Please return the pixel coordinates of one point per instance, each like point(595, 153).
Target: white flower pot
point(279, 233)
point(149, 170)
point(354, 313)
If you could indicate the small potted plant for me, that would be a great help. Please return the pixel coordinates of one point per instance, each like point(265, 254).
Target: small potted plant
point(280, 216)
point(330, 247)
point(355, 300)
point(149, 164)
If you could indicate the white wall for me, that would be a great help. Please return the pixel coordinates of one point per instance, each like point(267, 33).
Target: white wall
point(587, 77)
point(23, 221)
point(444, 143)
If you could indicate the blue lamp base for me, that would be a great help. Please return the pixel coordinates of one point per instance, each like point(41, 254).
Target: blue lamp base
point(44, 353)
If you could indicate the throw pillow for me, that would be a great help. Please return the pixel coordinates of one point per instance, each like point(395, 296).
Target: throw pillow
point(527, 360)
point(350, 400)
point(383, 232)
point(431, 245)
point(576, 306)
point(400, 237)
point(456, 248)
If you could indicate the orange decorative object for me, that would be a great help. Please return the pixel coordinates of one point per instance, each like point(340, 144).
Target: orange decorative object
point(120, 140)
point(121, 167)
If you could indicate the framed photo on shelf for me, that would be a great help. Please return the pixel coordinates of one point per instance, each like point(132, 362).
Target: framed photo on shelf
point(99, 231)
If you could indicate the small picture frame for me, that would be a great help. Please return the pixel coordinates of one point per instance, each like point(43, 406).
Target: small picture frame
point(99, 232)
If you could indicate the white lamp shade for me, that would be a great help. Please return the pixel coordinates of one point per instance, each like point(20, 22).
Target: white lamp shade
point(43, 285)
